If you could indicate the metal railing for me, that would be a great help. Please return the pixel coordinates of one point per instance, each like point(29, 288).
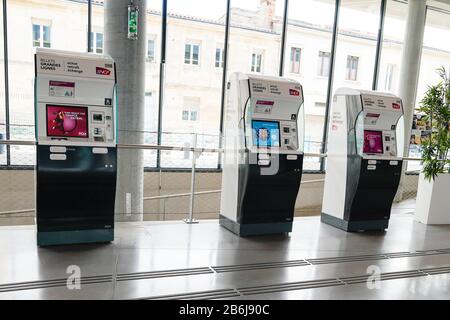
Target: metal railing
point(191, 194)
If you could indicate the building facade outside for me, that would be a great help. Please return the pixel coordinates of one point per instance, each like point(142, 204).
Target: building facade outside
point(194, 66)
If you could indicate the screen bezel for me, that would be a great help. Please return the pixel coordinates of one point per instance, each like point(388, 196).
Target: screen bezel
point(382, 141)
point(257, 140)
point(65, 106)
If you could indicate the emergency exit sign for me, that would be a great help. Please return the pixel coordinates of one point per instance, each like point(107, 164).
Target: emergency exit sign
point(133, 13)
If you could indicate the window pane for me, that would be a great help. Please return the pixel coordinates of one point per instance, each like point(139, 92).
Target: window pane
point(324, 64)
point(352, 68)
point(295, 60)
point(356, 43)
point(187, 53)
point(46, 30)
point(195, 54)
point(258, 62)
point(435, 55)
point(391, 53)
point(198, 23)
point(152, 81)
point(92, 35)
point(67, 20)
point(310, 26)
point(218, 58)
point(255, 26)
point(151, 50)
point(99, 43)
point(36, 33)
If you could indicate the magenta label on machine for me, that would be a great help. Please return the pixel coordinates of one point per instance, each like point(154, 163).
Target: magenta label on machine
point(61, 89)
point(265, 102)
point(264, 106)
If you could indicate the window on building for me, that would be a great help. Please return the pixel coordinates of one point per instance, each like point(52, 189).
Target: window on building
point(256, 62)
point(219, 58)
point(191, 54)
point(324, 64)
point(320, 104)
point(151, 50)
point(352, 68)
point(189, 115)
point(295, 60)
point(190, 110)
point(97, 42)
point(389, 77)
point(41, 35)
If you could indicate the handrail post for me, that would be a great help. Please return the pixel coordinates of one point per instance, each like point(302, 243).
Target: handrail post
point(190, 219)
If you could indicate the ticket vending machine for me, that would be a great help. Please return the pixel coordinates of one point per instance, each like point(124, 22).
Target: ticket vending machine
point(76, 147)
point(263, 154)
point(364, 159)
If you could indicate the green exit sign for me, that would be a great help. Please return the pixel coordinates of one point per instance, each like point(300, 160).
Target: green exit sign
point(133, 13)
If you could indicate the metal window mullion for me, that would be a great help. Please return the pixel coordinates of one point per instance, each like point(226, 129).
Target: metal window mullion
point(89, 31)
point(379, 44)
point(161, 77)
point(283, 37)
point(6, 71)
point(330, 81)
point(224, 78)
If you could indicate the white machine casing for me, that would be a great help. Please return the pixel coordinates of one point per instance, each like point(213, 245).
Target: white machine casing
point(76, 132)
point(264, 99)
point(348, 163)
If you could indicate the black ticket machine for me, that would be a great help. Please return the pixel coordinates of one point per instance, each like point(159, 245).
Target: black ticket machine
point(263, 154)
point(364, 162)
point(75, 109)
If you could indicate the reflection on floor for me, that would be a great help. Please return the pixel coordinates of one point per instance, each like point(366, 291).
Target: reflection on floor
point(154, 260)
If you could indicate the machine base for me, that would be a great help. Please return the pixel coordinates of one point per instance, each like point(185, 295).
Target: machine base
point(255, 229)
point(355, 226)
point(74, 237)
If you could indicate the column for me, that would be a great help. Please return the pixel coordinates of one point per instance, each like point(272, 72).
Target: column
point(129, 56)
point(410, 69)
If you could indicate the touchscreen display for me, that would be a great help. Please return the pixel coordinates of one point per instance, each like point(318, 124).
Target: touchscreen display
point(373, 142)
point(66, 121)
point(266, 133)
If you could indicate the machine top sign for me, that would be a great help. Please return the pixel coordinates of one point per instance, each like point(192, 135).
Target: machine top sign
point(83, 65)
point(267, 88)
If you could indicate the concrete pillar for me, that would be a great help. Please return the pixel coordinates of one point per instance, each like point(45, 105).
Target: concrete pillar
point(410, 68)
point(130, 63)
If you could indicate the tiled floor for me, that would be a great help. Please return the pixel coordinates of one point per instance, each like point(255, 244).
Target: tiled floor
point(175, 260)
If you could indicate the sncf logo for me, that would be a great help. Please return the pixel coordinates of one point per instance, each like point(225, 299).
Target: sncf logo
point(396, 105)
point(293, 92)
point(102, 71)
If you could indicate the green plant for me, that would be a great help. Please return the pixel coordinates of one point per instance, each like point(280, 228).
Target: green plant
point(435, 106)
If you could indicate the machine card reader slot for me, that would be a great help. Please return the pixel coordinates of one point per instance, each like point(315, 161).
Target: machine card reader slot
point(100, 150)
point(58, 157)
point(58, 149)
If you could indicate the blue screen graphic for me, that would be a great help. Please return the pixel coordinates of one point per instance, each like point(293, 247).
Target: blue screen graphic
point(266, 133)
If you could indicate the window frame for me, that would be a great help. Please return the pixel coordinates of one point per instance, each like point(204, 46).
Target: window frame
point(292, 63)
point(41, 40)
point(221, 60)
point(94, 37)
point(321, 65)
point(348, 71)
point(147, 56)
point(253, 68)
point(192, 44)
